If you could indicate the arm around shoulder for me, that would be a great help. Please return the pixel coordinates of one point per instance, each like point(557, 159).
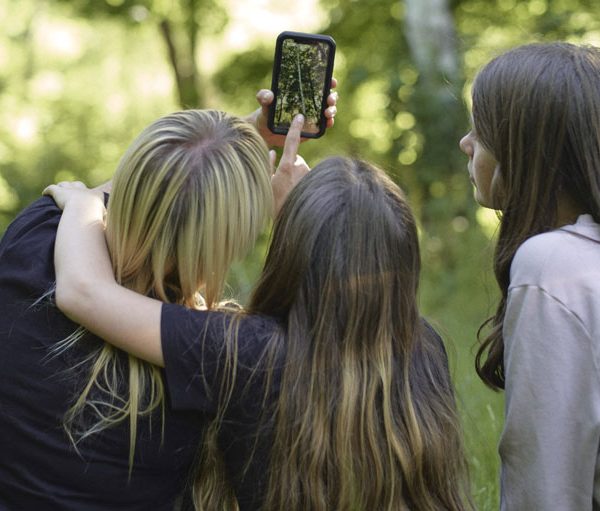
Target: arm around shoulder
point(86, 290)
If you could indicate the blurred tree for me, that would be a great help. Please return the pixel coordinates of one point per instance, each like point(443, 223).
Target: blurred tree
point(72, 96)
point(431, 37)
point(181, 25)
point(402, 98)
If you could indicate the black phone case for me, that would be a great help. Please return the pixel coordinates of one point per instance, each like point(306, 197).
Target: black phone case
point(302, 38)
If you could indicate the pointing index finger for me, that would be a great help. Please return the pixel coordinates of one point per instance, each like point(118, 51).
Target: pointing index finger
point(292, 140)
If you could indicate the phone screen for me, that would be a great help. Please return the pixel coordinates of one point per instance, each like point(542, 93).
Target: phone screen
point(301, 84)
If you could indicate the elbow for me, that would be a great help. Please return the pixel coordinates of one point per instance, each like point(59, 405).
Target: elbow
point(74, 298)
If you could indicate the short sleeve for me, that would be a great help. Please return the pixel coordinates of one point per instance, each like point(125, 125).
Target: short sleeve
point(194, 351)
point(27, 250)
point(191, 342)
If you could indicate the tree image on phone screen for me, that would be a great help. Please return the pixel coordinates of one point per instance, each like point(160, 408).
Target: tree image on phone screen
point(300, 84)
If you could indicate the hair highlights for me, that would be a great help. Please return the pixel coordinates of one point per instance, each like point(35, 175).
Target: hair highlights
point(190, 195)
point(365, 417)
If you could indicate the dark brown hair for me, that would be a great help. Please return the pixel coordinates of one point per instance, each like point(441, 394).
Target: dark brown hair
point(536, 108)
point(366, 417)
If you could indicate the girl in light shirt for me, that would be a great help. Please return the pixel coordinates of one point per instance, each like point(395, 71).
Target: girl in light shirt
point(534, 155)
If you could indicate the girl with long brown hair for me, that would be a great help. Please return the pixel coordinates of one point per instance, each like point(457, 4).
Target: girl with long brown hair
point(534, 155)
point(329, 392)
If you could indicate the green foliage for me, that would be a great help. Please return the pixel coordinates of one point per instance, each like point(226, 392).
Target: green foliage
point(73, 97)
point(80, 78)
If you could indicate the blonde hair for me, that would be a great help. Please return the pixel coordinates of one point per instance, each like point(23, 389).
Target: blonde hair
point(190, 196)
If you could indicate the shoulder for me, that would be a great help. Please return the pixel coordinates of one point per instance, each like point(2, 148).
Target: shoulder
point(26, 249)
point(197, 349)
point(205, 332)
point(215, 322)
point(430, 361)
point(558, 258)
point(555, 280)
point(42, 212)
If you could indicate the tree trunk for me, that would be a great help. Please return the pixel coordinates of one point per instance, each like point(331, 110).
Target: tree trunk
point(437, 100)
point(181, 51)
point(431, 37)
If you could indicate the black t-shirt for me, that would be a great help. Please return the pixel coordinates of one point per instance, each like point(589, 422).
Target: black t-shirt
point(39, 467)
point(193, 350)
point(192, 345)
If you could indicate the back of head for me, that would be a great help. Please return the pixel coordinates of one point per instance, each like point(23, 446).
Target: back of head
point(536, 108)
point(190, 195)
point(344, 229)
point(366, 416)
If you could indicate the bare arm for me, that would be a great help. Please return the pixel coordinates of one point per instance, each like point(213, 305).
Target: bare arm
point(86, 290)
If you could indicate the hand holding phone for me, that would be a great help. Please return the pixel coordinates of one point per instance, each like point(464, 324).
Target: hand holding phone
point(302, 73)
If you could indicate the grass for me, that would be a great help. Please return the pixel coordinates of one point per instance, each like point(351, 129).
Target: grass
point(456, 298)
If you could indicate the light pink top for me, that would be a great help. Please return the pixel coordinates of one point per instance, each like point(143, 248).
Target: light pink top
point(550, 443)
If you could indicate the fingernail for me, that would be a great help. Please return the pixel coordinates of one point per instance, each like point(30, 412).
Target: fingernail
point(299, 119)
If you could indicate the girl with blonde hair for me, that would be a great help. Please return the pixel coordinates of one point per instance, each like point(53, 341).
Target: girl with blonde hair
point(190, 196)
point(534, 155)
point(330, 392)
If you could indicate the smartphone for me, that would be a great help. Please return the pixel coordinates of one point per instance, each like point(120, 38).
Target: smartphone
point(302, 72)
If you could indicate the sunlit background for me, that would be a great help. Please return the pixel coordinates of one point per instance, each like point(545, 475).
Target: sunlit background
point(80, 78)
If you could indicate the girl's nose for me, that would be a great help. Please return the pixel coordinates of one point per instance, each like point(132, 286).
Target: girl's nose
point(466, 145)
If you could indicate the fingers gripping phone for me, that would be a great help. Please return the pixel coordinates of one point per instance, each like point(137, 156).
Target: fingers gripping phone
point(302, 73)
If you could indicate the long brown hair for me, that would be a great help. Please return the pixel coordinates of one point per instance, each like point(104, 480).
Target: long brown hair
point(536, 108)
point(366, 416)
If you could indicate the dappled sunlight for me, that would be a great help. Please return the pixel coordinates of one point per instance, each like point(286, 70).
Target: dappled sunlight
point(460, 224)
point(537, 7)
point(405, 121)
point(25, 128)
point(64, 175)
point(62, 39)
point(250, 20)
point(407, 156)
point(9, 198)
point(488, 220)
point(79, 80)
point(48, 85)
point(592, 38)
point(151, 83)
point(371, 121)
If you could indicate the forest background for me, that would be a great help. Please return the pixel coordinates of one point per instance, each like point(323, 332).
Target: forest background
point(79, 79)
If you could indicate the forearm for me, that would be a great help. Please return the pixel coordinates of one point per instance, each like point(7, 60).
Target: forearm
point(86, 289)
point(80, 254)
